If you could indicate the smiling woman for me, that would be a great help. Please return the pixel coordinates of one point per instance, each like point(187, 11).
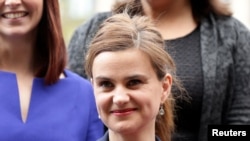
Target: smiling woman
point(39, 98)
point(132, 77)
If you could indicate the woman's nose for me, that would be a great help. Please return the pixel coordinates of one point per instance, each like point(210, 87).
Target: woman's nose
point(12, 3)
point(121, 96)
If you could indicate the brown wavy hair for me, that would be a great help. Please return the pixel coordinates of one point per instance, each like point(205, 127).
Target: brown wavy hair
point(50, 51)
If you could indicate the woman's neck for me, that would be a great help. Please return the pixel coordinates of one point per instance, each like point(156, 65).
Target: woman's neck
point(174, 19)
point(16, 55)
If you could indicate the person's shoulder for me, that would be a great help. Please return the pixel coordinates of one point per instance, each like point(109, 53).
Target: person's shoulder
point(96, 19)
point(229, 22)
point(227, 26)
point(72, 76)
point(102, 15)
point(78, 83)
point(88, 28)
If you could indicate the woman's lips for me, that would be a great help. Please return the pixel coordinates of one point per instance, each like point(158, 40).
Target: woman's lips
point(121, 112)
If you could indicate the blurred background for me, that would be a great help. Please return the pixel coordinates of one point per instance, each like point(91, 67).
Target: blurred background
point(76, 12)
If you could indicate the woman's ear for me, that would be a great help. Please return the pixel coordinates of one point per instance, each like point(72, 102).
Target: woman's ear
point(91, 81)
point(166, 87)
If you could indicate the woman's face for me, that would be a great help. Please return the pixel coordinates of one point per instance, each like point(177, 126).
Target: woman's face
point(127, 91)
point(19, 17)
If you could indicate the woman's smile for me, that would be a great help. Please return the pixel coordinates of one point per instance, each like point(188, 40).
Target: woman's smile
point(14, 15)
point(123, 112)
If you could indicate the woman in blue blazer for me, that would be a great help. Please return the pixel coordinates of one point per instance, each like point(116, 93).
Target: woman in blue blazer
point(39, 99)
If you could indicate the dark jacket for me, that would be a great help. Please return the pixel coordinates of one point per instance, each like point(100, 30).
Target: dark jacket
point(225, 51)
point(106, 137)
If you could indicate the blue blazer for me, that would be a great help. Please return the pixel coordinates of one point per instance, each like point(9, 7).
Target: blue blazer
point(64, 111)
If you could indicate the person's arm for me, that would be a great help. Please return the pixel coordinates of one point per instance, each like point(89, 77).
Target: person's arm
point(80, 40)
point(239, 109)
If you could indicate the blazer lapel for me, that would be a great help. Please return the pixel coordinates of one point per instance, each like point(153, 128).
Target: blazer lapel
point(209, 57)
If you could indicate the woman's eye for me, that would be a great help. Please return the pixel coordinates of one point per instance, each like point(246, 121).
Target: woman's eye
point(134, 82)
point(105, 84)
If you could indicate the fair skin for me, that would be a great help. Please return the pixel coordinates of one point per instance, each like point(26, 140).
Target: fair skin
point(173, 17)
point(18, 22)
point(128, 94)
